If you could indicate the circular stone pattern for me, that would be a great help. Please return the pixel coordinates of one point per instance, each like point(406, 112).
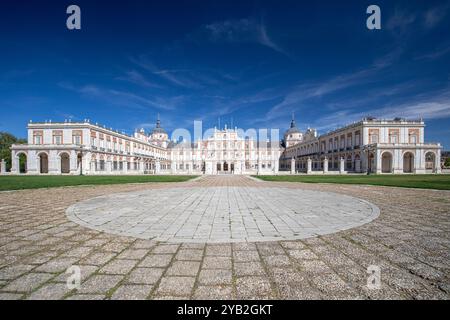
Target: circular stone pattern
point(223, 214)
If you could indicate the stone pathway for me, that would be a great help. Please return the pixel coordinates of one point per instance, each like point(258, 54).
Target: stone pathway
point(409, 241)
point(223, 214)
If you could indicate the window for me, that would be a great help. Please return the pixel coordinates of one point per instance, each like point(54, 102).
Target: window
point(76, 137)
point(357, 141)
point(393, 138)
point(374, 138)
point(37, 139)
point(413, 136)
point(58, 139)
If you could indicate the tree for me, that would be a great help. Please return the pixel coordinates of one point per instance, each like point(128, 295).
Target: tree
point(447, 162)
point(6, 140)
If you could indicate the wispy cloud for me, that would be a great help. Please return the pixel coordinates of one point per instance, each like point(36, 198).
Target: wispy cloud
point(434, 16)
point(126, 99)
point(238, 31)
point(434, 54)
point(435, 105)
point(173, 76)
point(137, 78)
point(305, 91)
point(400, 20)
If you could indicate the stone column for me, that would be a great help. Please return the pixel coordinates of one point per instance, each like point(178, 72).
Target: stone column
point(309, 166)
point(259, 164)
point(15, 167)
point(3, 167)
point(437, 162)
point(157, 167)
point(358, 165)
point(141, 166)
point(341, 166)
point(325, 165)
point(173, 167)
point(108, 166)
point(292, 166)
point(125, 166)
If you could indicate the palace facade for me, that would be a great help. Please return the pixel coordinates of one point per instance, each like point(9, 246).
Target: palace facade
point(370, 145)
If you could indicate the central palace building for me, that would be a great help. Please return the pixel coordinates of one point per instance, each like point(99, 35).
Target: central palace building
point(370, 145)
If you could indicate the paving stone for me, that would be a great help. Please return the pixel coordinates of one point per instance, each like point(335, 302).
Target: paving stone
point(249, 268)
point(87, 297)
point(98, 258)
point(217, 263)
point(190, 254)
point(215, 277)
point(132, 292)
point(136, 254)
point(213, 293)
point(14, 271)
point(118, 266)
point(218, 250)
point(253, 288)
point(145, 275)
point(246, 256)
point(165, 248)
point(100, 284)
point(177, 286)
point(156, 260)
point(277, 261)
point(57, 265)
point(28, 282)
point(10, 296)
point(50, 291)
point(183, 268)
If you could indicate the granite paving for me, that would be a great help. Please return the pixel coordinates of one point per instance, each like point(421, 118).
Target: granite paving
point(408, 241)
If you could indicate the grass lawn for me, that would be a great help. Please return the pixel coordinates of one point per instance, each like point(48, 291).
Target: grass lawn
point(424, 181)
point(34, 182)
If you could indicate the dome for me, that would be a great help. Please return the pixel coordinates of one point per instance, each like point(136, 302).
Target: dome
point(293, 129)
point(158, 128)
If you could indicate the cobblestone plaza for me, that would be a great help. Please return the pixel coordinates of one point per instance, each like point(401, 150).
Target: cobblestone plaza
point(225, 237)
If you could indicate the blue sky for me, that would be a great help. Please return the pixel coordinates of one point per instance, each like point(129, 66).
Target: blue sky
point(255, 62)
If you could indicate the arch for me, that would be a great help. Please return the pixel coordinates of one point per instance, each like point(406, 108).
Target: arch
point(349, 163)
point(219, 167)
point(225, 166)
point(22, 158)
point(43, 162)
point(65, 162)
point(408, 162)
point(386, 162)
point(430, 161)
